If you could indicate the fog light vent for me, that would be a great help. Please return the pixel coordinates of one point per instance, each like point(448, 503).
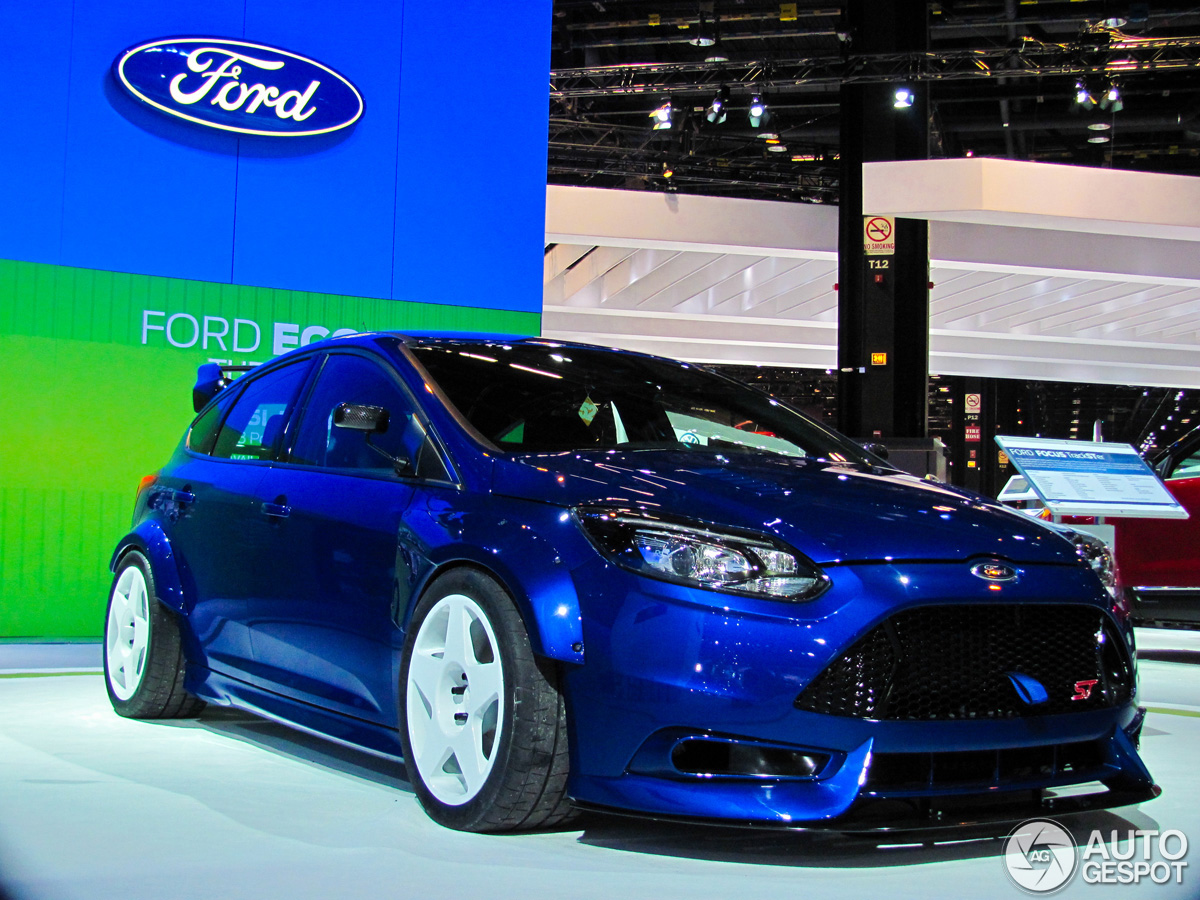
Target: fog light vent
point(716, 758)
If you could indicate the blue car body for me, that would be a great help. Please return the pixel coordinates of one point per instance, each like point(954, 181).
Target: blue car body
point(909, 684)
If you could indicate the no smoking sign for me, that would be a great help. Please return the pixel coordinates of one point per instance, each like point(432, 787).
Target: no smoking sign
point(879, 235)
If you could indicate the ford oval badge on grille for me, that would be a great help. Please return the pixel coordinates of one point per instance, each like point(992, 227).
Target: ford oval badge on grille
point(239, 86)
point(994, 571)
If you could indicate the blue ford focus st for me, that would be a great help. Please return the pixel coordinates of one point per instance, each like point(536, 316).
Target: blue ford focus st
point(552, 576)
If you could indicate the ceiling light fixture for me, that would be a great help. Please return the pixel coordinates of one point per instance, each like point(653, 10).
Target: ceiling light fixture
point(706, 31)
point(1099, 139)
point(759, 114)
point(663, 116)
point(1083, 96)
point(718, 109)
point(1112, 98)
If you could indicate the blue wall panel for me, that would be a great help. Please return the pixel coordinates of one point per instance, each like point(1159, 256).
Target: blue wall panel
point(143, 193)
point(322, 220)
point(470, 224)
point(421, 200)
point(35, 113)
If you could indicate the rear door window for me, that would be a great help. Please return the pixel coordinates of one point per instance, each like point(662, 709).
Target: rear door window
point(254, 427)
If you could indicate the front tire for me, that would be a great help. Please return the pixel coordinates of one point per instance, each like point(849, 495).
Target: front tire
point(143, 655)
point(483, 723)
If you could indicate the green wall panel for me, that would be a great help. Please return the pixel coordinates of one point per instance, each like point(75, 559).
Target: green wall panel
point(93, 399)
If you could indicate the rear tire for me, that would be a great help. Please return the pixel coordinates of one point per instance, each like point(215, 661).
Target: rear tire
point(483, 722)
point(143, 654)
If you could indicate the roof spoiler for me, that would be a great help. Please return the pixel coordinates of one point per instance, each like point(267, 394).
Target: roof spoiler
point(211, 379)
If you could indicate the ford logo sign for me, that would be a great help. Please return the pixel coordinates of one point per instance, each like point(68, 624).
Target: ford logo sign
point(239, 86)
point(994, 571)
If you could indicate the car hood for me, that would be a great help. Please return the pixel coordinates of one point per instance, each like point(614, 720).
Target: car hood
point(830, 512)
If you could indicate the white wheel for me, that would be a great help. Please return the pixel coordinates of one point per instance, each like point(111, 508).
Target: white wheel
point(144, 663)
point(127, 636)
point(455, 699)
point(482, 721)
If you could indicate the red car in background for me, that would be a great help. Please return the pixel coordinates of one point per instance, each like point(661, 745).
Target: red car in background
point(1158, 560)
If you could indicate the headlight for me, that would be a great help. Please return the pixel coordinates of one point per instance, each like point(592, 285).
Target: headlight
point(1096, 554)
point(737, 563)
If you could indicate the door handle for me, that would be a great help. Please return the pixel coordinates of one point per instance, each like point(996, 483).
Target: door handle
point(277, 510)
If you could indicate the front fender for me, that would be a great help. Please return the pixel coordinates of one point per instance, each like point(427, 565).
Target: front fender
point(149, 538)
point(528, 547)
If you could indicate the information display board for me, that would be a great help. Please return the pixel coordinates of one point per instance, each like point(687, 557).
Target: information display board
point(1091, 478)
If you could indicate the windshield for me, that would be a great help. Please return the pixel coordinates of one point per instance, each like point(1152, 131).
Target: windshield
point(533, 396)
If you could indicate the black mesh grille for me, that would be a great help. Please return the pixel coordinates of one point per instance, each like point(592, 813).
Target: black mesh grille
point(951, 662)
point(898, 773)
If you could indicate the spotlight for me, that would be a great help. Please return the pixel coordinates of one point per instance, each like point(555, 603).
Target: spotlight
point(667, 170)
point(904, 98)
point(662, 116)
point(1083, 96)
point(1099, 126)
point(718, 109)
point(1112, 99)
point(706, 33)
point(1099, 138)
point(769, 136)
point(759, 114)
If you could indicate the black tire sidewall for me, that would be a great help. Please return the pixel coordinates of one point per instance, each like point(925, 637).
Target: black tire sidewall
point(501, 612)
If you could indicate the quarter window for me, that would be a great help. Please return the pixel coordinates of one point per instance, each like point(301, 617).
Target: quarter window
point(203, 434)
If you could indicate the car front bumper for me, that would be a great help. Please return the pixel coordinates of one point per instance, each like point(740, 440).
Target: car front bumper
point(669, 668)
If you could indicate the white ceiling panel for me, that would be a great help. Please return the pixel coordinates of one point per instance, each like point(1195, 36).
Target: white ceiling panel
point(1101, 317)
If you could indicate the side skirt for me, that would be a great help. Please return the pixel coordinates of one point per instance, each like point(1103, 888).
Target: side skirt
point(223, 690)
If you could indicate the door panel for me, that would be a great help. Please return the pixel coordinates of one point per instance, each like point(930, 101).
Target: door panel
point(1163, 552)
point(208, 503)
point(323, 631)
point(219, 544)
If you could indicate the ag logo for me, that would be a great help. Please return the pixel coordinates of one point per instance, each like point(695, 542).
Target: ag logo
point(239, 86)
point(1040, 856)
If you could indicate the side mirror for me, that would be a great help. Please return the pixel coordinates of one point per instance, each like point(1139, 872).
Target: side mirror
point(876, 448)
point(371, 419)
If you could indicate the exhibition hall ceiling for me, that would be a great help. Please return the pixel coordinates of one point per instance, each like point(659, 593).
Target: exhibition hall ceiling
point(727, 280)
point(1087, 82)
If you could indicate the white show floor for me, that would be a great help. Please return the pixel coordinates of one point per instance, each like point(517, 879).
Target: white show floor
point(95, 806)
